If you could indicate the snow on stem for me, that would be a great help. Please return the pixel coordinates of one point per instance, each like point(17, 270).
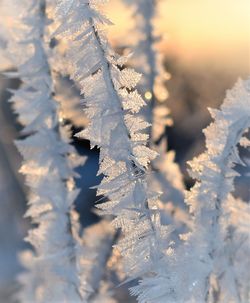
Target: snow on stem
point(112, 104)
point(48, 166)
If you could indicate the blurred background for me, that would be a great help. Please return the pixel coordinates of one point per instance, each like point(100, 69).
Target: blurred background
point(206, 47)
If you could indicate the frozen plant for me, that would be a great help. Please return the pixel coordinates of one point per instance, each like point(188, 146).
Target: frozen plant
point(166, 176)
point(207, 264)
point(202, 269)
point(147, 60)
point(112, 105)
point(48, 166)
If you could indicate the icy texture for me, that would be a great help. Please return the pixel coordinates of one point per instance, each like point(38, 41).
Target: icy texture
point(119, 132)
point(48, 165)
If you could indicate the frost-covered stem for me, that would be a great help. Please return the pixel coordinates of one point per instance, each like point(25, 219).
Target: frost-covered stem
point(111, 104)
point(144, 14)
point(146, 11)
point(213, 221)
point(200, 264)
point(48, 164)
point(107, 76)
point(113, 94)
point(147, 60)
point(215, 174)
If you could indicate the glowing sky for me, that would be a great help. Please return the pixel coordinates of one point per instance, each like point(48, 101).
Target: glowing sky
point(214, 31)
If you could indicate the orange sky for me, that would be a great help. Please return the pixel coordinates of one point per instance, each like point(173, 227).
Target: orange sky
point(203, 32)
point(197, 31)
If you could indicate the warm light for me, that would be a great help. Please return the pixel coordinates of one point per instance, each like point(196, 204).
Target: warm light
point(148, 95)
point(197, 32)
point(161, 92)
